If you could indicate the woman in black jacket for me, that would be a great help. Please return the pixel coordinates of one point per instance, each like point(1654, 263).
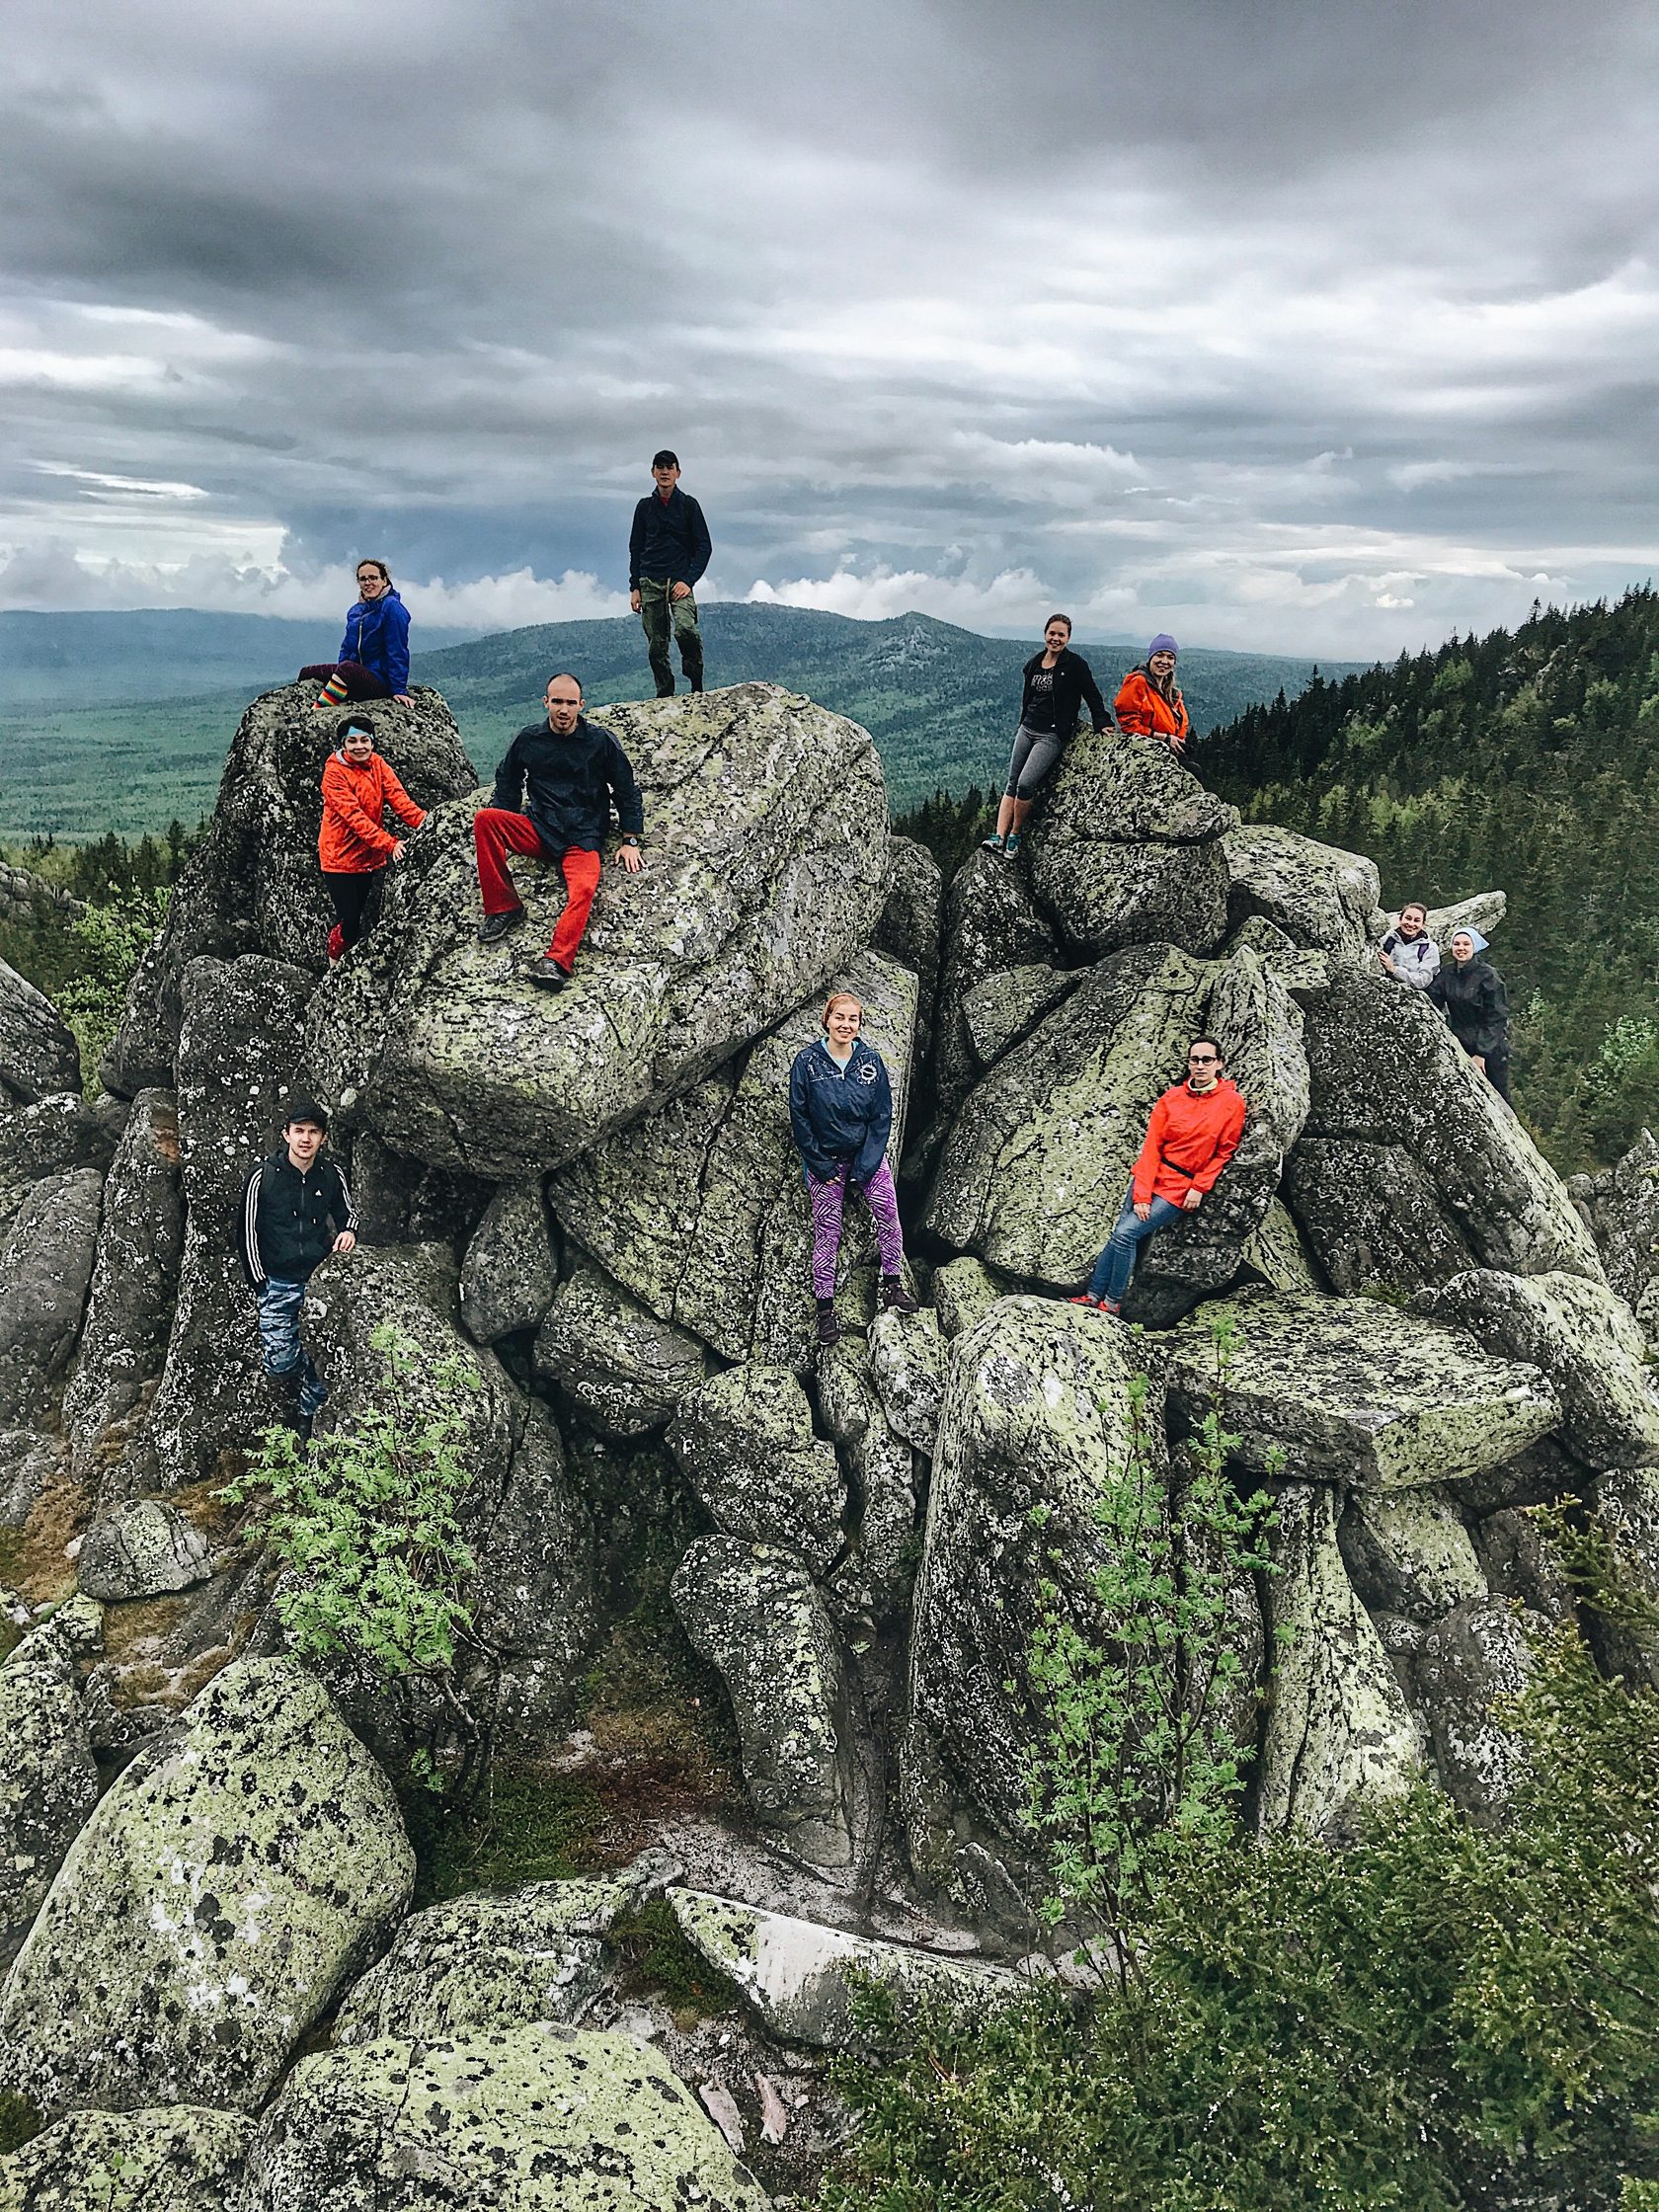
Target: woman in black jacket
point(1056, 682)
point(1471, 995)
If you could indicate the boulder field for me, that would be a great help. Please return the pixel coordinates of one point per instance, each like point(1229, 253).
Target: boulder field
point(588, 1208)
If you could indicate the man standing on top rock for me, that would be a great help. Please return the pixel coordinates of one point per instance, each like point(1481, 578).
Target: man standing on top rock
point(553, 799)
point(1193, 1133)
point(296, 1209)
point(669, 550)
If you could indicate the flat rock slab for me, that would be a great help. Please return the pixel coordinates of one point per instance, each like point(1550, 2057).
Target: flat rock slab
point(800, 1978)
point(528, 2119)
point(1357, 1393)
point(762, 879)
point(146, 1548)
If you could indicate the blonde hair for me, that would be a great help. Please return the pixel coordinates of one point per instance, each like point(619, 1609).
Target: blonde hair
point(839, 999)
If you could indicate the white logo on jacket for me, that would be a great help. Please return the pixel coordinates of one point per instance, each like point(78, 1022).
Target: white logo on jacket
point(866, 1071)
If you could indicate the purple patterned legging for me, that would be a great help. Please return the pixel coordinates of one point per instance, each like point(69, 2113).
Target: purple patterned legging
point(828, 1198)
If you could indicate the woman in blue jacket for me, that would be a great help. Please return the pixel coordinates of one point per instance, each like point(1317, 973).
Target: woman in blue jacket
point(840, 1111)
point(374, 661)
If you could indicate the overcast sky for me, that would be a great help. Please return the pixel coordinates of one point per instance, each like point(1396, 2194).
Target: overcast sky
point(1277, 323)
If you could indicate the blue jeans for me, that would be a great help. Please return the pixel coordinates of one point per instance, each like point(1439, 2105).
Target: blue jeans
point(1116, 1264)
point(285, 1357)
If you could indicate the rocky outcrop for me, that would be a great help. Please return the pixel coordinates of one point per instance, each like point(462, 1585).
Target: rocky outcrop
point(206, 1915)
point(511, 1272)
point(1321, 897)
point(38, 1053)
point(177, 2158)
point(1470, 1660)
point(744, 1443)
point(538, 2118)
point(44, 1272)
point(146, 1548)
point(881, 1466)
point(48, 1781)
point(626, 1369)
point(761, 881)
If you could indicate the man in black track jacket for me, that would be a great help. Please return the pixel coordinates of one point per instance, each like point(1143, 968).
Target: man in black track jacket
point(669, 550)
point(296, 1209)
point(553, 798)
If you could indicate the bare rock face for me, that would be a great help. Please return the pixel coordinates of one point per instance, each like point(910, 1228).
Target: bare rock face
point(45, 1270)
point(1470, 1660)
point(761, 880)
point(49, 1783)
point(511, 1273)
point(909, 926)
point(1321, 897)
point(627, 1370)
point(991, 928)
point(252, 884)
point(744, 1443)
point(38, 1053)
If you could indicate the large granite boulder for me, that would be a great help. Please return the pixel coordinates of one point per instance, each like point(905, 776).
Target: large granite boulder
point(908, 925)
point(1035, 1169)
point(176, 2158)
point(39, 1055)
point(46, 1268)
point(1348, 1391)
point(536, 2118)
point(881, 1466)
point(511, 1271)
point(1385, 1069)
point(761, 880)
point(1623, 1203)
point(146, 1549)
point(700, 1211)
point(50, 1138)
point(233, 1877)
point(1340, 1737)
point(1128, 850)
point(48, 1781)
point(252, 884)
point(754, 1614)
point(1321, 897)
point(1586, 1341)
point(1408, 1552)
point(1372, 1215)
point(134, 1282)
point(1624, 1516)
point(1470, 1662)
point(238, 1059)
point(744, 1441)
point(626, 1369)
point(992, 929)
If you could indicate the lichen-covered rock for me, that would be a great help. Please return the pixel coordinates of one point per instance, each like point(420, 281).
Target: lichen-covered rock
point(626, 1369)
point(1258, 1027)
point(46, 1268)
point(39, 1055)
point(538, 2118)
point(146, 1549)
point(1351, 1392)
point(1037, 1423)
point(229, 1881)
point(1623, 1208)
point(1408, 1552)
point(1340, 1738)
point(1482, 910)
point(964, 1293)
point(991, 928)
point(176, 2158)
point(908, 926)
point(1624, 1513)
point(801, 1979)
point(403, 1201)
point(1129, 848)
point(1035, 1167)
point(1385, 1069)
point(1276, 1255)
point(1469, 1660)
point(28, 1462)
point(1522, 1558)
point(48, 1779)
point(700, 1211)
point(134, 1282)
point(761, 880)
point(908, 1351)
point(752, 1613)
point(1585, 1340)
point(1373, 1216)
point(509, 1275)
point(1006, 1007)
point(238, 1059)
point(744, 1443)
point(252, 884)
point(488, 1961)
point(1321, 897)
point(880, 1463)
point(50, 1138)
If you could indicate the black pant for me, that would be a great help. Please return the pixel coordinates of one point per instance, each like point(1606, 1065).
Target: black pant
point(352, 894)
point(1497, 1074)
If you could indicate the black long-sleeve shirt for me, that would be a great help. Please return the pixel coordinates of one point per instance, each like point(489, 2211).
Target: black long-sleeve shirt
point(1074, 682)
point(669, 542)
point(1476, 1005)
point(566, 784)
point(291, 1220)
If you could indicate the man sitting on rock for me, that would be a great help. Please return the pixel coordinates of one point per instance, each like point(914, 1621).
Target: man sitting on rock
point(553, 799)
point(1193, 1133)
point(1409, 952)
point(296, 1209)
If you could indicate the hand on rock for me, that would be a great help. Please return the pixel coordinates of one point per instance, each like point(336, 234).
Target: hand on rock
point(345, 1242)
point(629, 856)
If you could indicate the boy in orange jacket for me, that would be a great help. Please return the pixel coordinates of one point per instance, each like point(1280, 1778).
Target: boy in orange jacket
point(353, 845)
point(1149, 703)
point(1193, 1133)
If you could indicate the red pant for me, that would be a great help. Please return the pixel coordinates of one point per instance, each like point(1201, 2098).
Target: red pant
point(497, 833)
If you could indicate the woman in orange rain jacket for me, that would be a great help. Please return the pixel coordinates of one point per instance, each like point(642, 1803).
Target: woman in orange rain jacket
point(1150, 704)
point(353, 845)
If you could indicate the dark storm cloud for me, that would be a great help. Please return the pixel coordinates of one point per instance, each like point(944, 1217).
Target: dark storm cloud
point(1309, 326)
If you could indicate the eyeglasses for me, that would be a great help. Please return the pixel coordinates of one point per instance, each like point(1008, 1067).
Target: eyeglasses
point(1203, 1059)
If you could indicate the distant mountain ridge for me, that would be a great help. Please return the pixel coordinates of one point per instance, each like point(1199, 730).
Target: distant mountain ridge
point(142, 738)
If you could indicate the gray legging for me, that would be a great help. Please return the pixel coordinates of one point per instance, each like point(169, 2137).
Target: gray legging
point(1034, 755)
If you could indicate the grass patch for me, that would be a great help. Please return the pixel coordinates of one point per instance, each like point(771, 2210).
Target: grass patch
point(657, 1959)
point(527, 1827)
point(19, 2122)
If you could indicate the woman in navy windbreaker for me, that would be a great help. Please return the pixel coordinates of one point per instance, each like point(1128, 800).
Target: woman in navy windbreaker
point(374, 661)
point(840, 1111)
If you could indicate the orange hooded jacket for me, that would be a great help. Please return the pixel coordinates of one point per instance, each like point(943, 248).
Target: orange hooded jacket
point(1143, 710)
point(352, 840)
point(1190, 1139)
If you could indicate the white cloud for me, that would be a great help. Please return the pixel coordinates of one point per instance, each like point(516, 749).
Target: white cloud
point(1011, 598)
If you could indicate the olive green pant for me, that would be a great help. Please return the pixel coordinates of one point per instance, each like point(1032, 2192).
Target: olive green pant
point(656, 613)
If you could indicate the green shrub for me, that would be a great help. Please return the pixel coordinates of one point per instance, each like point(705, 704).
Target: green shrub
point(19, 2122)
point(112, 939)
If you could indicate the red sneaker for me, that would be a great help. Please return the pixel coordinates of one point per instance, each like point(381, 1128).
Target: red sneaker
point(1083, 1299)
point(336, 942)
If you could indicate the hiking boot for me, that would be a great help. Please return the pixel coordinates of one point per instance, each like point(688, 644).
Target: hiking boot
point(1083, 1299)
point(828, 1327)
point(895, 1299)
point(993, 843)
point(494, 928)
point(547, 974)
point(1013, 843)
